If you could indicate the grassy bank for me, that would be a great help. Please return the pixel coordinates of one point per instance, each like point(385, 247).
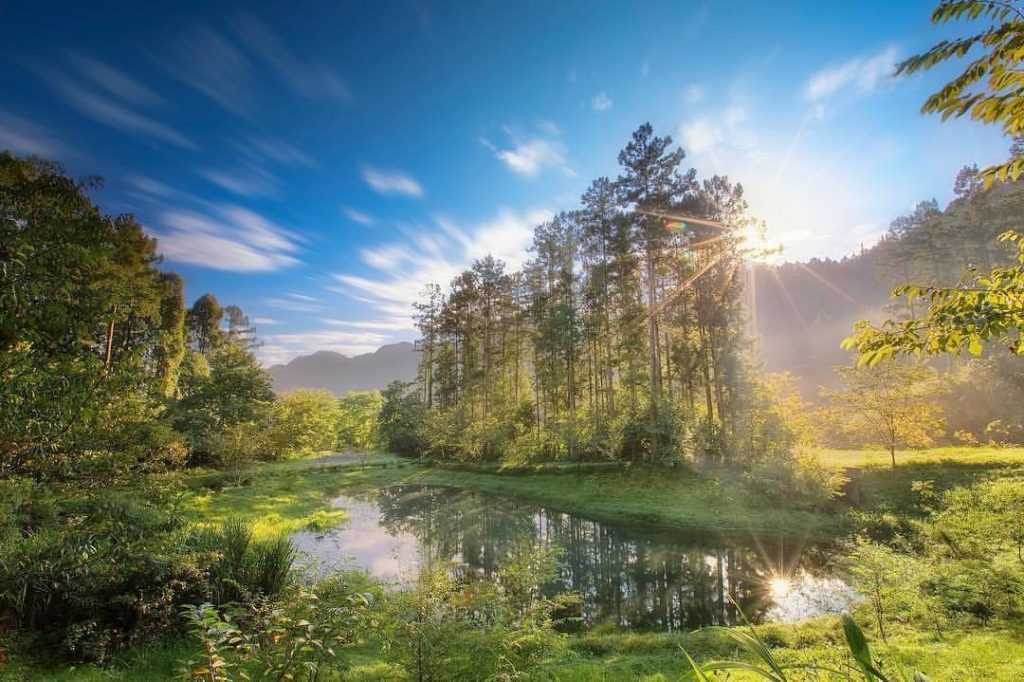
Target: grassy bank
point(290, 496)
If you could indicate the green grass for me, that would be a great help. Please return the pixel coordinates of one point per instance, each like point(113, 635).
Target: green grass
point(888, 490)
point(153, 663)
point(289, 496)
point(281, 498)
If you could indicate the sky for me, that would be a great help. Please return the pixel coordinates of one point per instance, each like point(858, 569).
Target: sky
point(318, 163)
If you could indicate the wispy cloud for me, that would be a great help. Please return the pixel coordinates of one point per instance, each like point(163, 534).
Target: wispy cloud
point(266, 321)
point(392, 324)
point(293, 305)
point(23, 137)
point(529, 156)
point(357, 216)
point(392, 182)
point(402, 269)
point(229, 238)
point(115, 82)
point(102, 108)
point(601, 102)
point(249, 182)
point(208, 62)
point(864, 74)
point(694, 94)
point(147, 185)
point(308, 79)
point(277, 150)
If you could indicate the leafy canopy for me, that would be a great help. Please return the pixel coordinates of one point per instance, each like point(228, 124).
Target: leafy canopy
point(991, 87)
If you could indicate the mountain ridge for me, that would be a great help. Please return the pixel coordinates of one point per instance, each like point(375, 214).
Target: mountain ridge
point(339, 374)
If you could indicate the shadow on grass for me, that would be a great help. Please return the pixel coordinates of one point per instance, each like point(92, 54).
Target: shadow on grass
point(891, 489)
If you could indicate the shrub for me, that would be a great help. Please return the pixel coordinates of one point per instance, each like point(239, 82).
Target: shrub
point(103, 574)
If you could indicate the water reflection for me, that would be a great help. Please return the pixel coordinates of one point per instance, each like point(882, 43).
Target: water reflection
point(631, 576)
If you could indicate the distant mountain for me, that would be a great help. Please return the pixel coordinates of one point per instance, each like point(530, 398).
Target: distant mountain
point(339, 374)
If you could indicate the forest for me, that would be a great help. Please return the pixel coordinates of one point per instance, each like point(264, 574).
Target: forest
point(650, 453)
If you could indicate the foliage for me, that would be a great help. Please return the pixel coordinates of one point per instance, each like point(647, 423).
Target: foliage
point(357, 419)
point(990, 87)
point(91, 574)
point(890, 405)
point(444, 629)
point(300, 638)
point(304, 422)
point(764, 664)
point(989, 308)
point(225, 395)
point(399, 421)
point(244, 568)
point(990, 305)
point(82, 308)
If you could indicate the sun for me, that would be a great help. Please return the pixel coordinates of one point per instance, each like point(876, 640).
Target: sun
point(780, 587)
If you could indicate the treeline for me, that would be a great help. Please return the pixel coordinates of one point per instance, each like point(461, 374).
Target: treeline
point(623, 336)
point(103, 369)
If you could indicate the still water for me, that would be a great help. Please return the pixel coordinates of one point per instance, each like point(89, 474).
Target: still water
point(628, 575)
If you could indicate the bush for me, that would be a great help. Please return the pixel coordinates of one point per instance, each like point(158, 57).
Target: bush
point(85, 575)
point(104, 573)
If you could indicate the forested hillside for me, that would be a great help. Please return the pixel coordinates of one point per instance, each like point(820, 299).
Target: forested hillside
point(804, 310)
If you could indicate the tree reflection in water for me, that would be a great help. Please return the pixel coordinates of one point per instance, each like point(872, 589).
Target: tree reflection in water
point(626, 575)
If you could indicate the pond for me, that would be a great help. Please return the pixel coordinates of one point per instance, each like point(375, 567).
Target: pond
point(632, 576)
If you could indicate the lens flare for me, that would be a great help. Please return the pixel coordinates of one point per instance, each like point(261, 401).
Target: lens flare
point(780, 587)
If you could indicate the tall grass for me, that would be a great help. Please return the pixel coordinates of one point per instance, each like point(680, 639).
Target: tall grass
point(246, 567)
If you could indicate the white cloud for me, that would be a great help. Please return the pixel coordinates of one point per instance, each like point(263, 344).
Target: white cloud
point(392, 182)
point(293, 305)
point(549, 128)
point(148, 185)
point(23, 137)
point(278, 150)
point(392, 324)
point(358, 216)
point(707, 134)
point(247, 183)
point(115, 82)
point(309, 79)
point(402, 271)
point(529, 157)
point(700, 135)
point(208, 62)
point(232, 238)
point(267, 321)
point(694, 94)
point(108, 112)
point(864, 74)
point(601, 102)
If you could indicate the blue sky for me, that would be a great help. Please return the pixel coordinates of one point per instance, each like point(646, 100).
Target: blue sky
point(318, 163)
